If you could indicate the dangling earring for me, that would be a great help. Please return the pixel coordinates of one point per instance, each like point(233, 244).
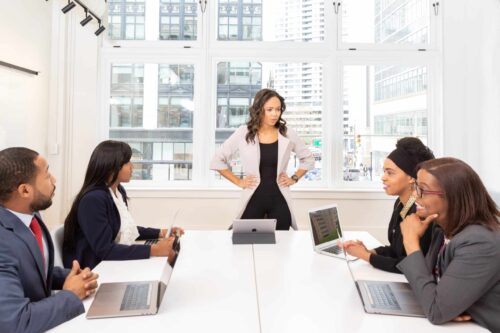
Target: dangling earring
point(408, 204)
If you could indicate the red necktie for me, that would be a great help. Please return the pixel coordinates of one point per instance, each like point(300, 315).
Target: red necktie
point(37, 231)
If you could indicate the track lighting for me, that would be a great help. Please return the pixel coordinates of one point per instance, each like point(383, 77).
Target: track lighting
point(100, 30)
point(87, 19)
point(89, 15)
point(68, 7)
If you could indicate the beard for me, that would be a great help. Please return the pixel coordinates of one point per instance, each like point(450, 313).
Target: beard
point(41, 202)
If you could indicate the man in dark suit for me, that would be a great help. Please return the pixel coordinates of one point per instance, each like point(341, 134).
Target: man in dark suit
point(27, 272)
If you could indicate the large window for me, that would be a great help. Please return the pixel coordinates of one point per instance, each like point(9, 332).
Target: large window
point(381, 104)
point(356, 77)
point(178, 19)
point(126, 19)
point(299, 83)
point(276, 20)
point(386, 21)
point(160, 133)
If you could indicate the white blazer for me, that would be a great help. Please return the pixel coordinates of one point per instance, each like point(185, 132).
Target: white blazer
point(250, 160)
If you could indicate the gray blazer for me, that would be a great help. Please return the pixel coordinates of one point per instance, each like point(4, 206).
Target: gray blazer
point(470, 281)
point(26, 304)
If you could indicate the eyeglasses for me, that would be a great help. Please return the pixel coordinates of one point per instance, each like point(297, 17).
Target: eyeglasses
point(421, 192)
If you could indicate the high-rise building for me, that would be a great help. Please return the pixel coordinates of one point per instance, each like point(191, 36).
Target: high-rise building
point(301, 83)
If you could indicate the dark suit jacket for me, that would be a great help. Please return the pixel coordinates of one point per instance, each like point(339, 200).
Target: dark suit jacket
point(470, 281)
point(26, 304)
point(98, 226)
point(388, 257)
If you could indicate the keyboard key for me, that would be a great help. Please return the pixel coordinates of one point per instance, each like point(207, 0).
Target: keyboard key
point(136, 297)
point(334, 249)
point(382, 296)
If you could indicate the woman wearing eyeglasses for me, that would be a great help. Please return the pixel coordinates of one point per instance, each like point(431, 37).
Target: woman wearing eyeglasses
point(459, 278)
point(398, 179)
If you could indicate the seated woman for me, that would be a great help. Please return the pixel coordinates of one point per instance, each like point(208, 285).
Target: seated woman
point(459, 279)
point(99, 225)
point(398, 179)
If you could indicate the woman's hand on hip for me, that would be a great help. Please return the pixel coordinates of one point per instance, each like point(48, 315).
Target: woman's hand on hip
point(284, 180)
point(249, 182)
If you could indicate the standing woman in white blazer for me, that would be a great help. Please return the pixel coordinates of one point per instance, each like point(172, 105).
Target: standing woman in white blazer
point(265, 144)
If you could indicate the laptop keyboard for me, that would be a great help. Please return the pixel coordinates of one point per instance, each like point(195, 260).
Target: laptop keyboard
point(150, 242)
point(136, 297)
point(382, 296)
point(334, 249)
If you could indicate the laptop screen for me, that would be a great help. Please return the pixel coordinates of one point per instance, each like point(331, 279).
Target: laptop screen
point(325, 225)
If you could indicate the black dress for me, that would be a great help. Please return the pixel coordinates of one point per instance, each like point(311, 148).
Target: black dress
point(388, 257)
point(267, 200)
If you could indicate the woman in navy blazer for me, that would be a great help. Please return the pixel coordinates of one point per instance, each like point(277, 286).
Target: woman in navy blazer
point(93, 226)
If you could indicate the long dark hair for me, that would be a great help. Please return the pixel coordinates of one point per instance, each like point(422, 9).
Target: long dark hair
point(105, 163)
point(256, 110)
point(467, 198)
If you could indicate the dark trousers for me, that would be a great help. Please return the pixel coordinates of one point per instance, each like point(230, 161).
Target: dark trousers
point(271, 206)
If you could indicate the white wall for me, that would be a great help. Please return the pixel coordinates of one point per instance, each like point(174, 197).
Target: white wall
point(25, 40)
point(471, 102)
point(471, 85)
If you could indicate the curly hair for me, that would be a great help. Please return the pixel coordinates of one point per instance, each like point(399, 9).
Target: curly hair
point(414, 147)
point(256, 110)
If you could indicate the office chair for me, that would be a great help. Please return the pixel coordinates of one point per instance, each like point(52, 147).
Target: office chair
point(58, 238)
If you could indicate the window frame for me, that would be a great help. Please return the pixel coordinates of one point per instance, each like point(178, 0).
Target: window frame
point(206, 52)
point(435, 34)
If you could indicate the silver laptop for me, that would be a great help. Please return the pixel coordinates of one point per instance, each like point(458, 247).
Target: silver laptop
point(254, 231)
point(326, 231)
point(124, 299)
point(386, 297)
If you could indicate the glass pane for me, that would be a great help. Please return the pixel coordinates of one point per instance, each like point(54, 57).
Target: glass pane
point(299, 83)
point(126, 98)
point(271, 20)
point(178, 19)
point(175, 93)
point(126, 19)
point(385, 21)
point(381, 105)
point(161, 139)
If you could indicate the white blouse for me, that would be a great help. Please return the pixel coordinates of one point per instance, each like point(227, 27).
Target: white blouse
point(128, 230)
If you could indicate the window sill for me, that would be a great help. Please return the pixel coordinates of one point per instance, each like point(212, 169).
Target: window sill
point(224, 193)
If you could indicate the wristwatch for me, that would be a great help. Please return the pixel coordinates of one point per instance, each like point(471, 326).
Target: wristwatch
point(295, 178)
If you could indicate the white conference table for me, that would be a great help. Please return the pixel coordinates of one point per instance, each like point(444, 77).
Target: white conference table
point(212, 289)
point(300, 290)
point(285, 287)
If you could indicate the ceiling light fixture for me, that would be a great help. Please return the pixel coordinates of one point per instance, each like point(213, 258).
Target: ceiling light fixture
point(87, 18)
point(68, 7)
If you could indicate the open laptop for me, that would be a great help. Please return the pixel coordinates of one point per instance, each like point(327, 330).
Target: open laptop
point(326, 231)
point(386, 297)
point(124, 299)
point(254, 231)
point(155, 240)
